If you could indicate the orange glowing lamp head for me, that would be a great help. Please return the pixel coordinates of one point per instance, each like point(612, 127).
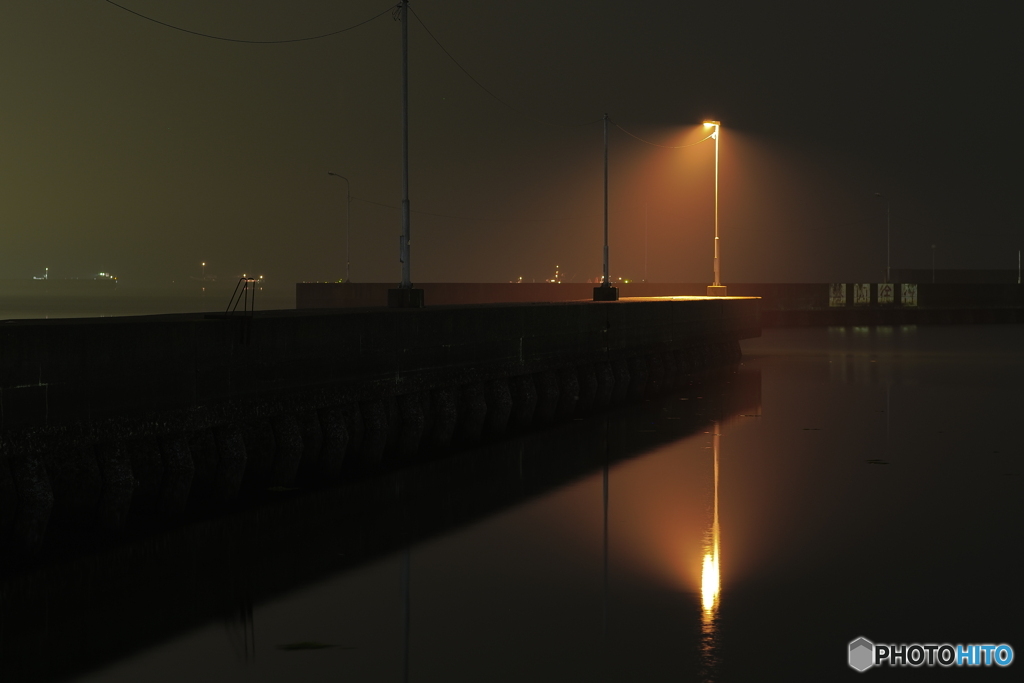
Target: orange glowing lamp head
point(716, 124)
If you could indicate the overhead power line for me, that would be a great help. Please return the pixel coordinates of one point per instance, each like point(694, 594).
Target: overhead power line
point(241, 40)
point(489, 92)
point(392, 9)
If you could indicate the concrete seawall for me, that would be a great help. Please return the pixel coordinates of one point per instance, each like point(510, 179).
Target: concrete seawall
point(223, 567)
point(782, 304)
point(106, 422)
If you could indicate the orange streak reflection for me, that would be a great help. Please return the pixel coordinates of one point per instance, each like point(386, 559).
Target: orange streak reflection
point(710, 580)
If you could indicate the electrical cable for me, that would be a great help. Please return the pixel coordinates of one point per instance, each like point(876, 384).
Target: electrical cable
point(654, 144)
point(239, 40)
point(488, 91)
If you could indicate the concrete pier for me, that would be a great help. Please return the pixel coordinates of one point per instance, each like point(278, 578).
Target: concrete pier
point(782, 304)
point(105, 421)
point(100, 606)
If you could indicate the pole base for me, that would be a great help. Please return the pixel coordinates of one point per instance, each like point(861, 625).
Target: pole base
point(606, 293)
point(405, 298)
point(716, 290)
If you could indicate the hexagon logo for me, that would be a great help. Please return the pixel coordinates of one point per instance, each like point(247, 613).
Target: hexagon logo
point(862, 654)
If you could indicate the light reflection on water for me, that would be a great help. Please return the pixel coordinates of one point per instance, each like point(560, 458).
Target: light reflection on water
point(710, 578)
point(842, 489)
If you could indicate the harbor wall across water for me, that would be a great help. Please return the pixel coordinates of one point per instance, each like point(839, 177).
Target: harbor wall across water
point(798, 304)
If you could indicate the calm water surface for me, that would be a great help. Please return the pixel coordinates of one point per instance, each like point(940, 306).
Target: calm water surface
point(873, 489)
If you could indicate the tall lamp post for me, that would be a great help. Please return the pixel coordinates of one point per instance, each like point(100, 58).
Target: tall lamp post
point(888, 231)
point(606, 292)
point(716, 289)
point(348, 225)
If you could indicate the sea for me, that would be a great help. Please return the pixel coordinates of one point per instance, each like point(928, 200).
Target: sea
point(839, 484)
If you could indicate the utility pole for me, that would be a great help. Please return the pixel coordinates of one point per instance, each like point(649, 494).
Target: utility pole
point(405, 296)
point(404, 255)
point(606, 292)
point(605, 280)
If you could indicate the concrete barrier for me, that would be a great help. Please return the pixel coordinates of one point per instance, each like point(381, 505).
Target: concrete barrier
point(109, 418)
point(782, 304)
point(75, 617)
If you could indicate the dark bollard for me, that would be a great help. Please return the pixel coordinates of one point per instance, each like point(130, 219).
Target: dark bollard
point(568, 393)
point(620, 392)
point(118, 486)
point(34, 503)
point(334, 428)
point(288, 454)
point(178, 472)
point(547, 397)
point(231, 463)
point(523, 391)
point(499, 406)
point(444, 416)
point(605, 385)
point(472, 412)
point(587, 378)
point(637, 378)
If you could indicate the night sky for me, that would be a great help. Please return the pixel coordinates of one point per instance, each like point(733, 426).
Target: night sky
point(133, 148)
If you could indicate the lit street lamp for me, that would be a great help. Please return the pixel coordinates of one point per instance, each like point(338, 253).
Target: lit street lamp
point(348, 226)
point(716, 289)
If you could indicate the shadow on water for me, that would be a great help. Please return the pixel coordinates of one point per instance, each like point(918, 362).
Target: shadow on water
point(75, 615)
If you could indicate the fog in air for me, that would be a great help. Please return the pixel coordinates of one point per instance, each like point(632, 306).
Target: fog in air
point(136, 149)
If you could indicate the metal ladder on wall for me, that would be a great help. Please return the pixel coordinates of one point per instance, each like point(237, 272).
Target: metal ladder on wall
point(245, 294)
